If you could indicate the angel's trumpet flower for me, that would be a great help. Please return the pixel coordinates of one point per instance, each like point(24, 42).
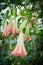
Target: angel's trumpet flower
point(27, 37)
point(5, 31)
point(15, 30)
point(10, 26)
point(20, 48)
point(27, 34)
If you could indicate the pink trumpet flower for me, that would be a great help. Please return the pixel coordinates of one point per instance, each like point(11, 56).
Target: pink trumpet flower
point(10, 26)
point(15, 28)
point(20, 48)
point(5, 31)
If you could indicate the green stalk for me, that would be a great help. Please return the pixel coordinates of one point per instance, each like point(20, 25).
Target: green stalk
point(22, 26)
point(15, 12)
point(10, 42)
point(37, 28)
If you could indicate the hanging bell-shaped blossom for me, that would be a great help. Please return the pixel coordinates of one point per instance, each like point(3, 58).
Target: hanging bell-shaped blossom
point(10, 26)
point(20, 48)
point(15, 30)
point(27, 37)
point(5, 30)
point(27, 34)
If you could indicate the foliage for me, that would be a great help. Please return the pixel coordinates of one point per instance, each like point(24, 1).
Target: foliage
point(34, 47)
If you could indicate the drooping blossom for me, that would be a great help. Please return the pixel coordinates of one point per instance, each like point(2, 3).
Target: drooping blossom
point(0, 45)
point(20, 48)
point(15, 30)
point(27, 37)
point(5, 31)
point(33, 20)
point(27, 34)
point(30, 26)
point(10, 26)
